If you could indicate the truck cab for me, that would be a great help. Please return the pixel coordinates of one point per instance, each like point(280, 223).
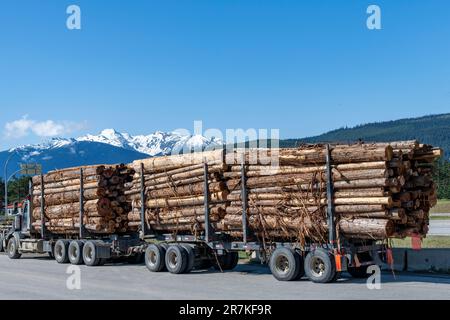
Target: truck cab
point(19, 238)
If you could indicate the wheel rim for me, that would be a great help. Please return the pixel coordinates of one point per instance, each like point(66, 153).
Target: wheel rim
point(173, 259)
point(58, 251)
point(282, 264)
point(12, 248)
point(73, 252)
point(152, 258)
point(89, 253)
point(317, 266)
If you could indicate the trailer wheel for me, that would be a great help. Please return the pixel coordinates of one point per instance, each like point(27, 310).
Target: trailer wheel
point(155, 258)
point(359, 272)
point(301, 272)
point(90, 254)
point(13, 249)
point(191, 257)
point(234, 260)
point(285, 264)
point(61, 251)
point(76, 252)
point(176, 259)
point(320, 266)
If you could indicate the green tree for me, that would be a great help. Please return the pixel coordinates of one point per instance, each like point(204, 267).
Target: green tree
point(442, 178)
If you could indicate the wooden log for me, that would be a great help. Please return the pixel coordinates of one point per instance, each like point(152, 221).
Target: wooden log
point(68, 174)
point(386, 201)
point(311, 169)
point(312, 154)
point(37, 191)
point(158, 164)
point(65, 197)
point(181, 202)
point(375, 228)
point(151, 180)
point(304, 184)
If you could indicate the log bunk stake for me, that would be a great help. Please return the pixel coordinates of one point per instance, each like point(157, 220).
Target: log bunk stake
point(82, 228)
point(42, 207)
point(245, 229)
point(330, 200)
point(206, 197)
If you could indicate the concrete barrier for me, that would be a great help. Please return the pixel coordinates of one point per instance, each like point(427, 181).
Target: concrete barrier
point(424, 260)
point(400, 258)
point(435, 260)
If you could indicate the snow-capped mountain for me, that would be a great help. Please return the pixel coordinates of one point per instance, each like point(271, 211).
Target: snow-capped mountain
point(108, 147)
point(158, 143)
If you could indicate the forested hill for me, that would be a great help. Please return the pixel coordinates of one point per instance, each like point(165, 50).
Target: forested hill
point(434, 129)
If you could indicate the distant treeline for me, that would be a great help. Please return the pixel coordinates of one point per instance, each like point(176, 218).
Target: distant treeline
point(17, 190)
point(442, 178)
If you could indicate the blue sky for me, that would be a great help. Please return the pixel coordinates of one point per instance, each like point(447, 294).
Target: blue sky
point(304, 67)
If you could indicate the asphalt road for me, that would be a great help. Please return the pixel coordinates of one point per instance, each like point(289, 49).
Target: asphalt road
point(439, 228)
point(41, 278)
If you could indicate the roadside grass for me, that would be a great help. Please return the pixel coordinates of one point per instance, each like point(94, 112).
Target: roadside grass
point(443, 206)
point(440, 217)
point(427, 243)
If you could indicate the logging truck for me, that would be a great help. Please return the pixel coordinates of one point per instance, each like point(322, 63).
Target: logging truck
point(178, 254)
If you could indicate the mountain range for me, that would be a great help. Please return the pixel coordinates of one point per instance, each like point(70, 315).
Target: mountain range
point(111, 147)
point(108, 147)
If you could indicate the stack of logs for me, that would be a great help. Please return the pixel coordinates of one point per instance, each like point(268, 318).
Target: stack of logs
point(174, 191)
point(105, 205)
point(380, 191)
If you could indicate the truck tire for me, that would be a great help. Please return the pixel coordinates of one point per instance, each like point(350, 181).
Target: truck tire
point(176, 259)
point(191, 257)
point(233, 260)
point(285, 264)
point(320, 266)
point(90, 254)
point(1, 244)
point(76, 252)
point(359, 272)
point(155, 256)
point(13, 249)
point(301, 272)
point(61, 251)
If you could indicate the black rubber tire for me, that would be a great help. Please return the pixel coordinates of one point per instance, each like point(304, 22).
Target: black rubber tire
point(220, 262)
point(90, 254)
point(285, 264)
point(231, 261)
point(191, 257)
point(323, 260)
point(13, 249)
point(1, 244)
point(51, 255)
point(155, 258)
point(359, 273)
point(61, 251)
point(176, 259)
point(301, 272)
point(75, 252)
